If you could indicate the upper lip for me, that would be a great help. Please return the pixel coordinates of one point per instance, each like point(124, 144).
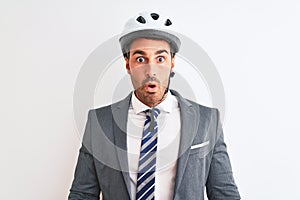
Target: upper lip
point(151, 84)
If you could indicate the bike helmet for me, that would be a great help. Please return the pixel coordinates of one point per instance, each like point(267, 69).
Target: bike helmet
point(149, 25)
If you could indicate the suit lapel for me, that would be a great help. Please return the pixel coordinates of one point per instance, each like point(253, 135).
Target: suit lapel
point(120, 116)
point(189, 125)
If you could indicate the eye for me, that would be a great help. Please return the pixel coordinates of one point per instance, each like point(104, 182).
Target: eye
point(140, 59)
point(161, 59)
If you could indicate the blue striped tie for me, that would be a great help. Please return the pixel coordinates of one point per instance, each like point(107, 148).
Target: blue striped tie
point(147, 164)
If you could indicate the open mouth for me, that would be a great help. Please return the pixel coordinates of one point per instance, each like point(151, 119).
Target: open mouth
point(151, 87)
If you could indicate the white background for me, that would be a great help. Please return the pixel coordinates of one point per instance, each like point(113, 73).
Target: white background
point(255, 46)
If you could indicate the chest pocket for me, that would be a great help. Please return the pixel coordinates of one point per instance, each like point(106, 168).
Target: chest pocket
point(201, 149)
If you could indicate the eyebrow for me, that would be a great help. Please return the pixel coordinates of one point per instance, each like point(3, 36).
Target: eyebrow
point(161, 51)
point(138, 52)
point(143, 53)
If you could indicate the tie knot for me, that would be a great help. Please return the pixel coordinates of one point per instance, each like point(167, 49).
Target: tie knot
point(154, 111)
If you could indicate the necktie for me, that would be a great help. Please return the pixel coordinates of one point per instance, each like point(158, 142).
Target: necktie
point(147, 162)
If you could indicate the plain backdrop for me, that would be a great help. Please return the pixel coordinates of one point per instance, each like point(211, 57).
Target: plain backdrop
point(254, 45)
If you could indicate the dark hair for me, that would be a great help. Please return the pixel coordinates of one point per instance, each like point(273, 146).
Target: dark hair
point(127, 54)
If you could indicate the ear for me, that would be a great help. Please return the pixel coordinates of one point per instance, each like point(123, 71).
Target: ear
point(127, 65)
point(173, 62)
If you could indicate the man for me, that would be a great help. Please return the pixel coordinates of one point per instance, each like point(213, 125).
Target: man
point(154, 144)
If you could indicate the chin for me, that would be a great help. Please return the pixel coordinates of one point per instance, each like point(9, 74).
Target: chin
point(150, 98)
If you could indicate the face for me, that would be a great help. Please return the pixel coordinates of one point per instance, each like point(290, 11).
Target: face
point(149, 66)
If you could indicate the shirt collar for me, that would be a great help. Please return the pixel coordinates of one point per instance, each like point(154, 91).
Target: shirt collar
point(166, 105)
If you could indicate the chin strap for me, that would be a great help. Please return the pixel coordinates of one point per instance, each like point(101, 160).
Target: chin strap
point(172, 74)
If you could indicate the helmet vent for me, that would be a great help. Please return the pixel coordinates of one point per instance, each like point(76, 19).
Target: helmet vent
point(154, 16)
point(168, 22)
point(141, 20)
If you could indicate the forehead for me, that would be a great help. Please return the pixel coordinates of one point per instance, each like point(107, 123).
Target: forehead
point(149, 44)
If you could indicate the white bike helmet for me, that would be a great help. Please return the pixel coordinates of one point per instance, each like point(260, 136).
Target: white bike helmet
point(149, 25)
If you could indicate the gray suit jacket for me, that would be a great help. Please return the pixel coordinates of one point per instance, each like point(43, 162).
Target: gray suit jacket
point(103, 167)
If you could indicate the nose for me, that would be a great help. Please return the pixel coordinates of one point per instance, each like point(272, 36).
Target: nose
point(151, 70)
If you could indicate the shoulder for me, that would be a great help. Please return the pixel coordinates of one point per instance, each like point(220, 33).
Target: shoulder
point(204, 111)
point(100, 111)
point(108, 110)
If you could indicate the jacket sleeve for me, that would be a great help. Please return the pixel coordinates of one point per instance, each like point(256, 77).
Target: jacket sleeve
point(85, 184)
point(220, 183)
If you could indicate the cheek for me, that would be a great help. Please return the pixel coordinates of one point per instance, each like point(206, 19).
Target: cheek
point(132, 66)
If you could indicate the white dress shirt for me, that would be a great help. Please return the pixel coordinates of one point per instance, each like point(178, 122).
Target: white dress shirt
point(167, 146)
